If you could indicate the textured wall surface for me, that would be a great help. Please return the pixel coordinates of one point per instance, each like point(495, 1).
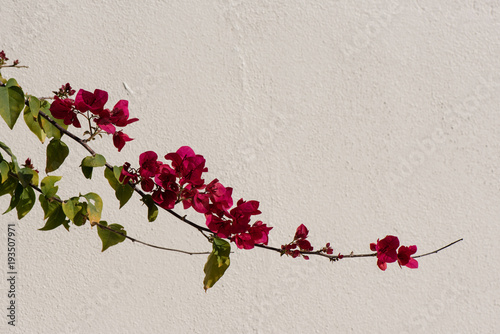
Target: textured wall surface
point(358, 119)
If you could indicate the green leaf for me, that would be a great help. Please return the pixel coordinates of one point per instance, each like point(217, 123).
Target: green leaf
point(4, 171)
point(87, 172)
point(26, 202)
point(75, 211)
point(13, 157)
point(56, 219)
point(48, 206)
point(51, 130)
point(28, 176)
point(47, 185)
point(123, 192)
point(8, 186)
point(217, 263)
point(117, 170)
point(12, 83)
point(152, 208)
point(110, 176)
point(94, 161)
point(14, 200)
point(33, 124)
point(110, 238)
point(57, 151)
point(94, 210)
point(81, 216)
point(34, 105)
point(69, 208)
point(88, 163)
point(11, 102)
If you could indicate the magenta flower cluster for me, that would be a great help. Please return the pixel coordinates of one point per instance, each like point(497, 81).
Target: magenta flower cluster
point(181, 181)
point(388, 252)
point(300, 244)
point(107, 120)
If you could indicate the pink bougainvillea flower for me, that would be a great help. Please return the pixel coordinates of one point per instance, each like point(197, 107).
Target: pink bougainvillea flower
point(220, 197)
point(104, 121)
point(218, 225)
point(119, 114)
point(188, 165)
point(179, 156)
point(2, 56)
point(386, 250)
point(147, 185)
point(300, 242)
point(119, 139)
point(187, 195)
point(301, 232)
point(126, 175)
point(243, 241)
point(242, 213)
point(404, 257)
point(201, 202)
point(165, 199)
point(305, 245)
point(259, 232)
point(64, 109)
point(192, 170)
point(93, 102)
point(167, 180)
point(327, 249)
point(149, 164)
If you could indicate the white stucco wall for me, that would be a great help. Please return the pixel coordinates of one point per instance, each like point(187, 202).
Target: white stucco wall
point(358, 119)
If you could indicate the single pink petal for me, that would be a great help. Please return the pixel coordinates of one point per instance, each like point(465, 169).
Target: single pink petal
point(244, 241)
point(101, 97)
point(108, 127)
point(413, 264)
point(185, 151)
point(119, 140)
point(382, 265)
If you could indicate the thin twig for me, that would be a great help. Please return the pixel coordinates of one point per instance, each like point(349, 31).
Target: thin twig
point(18, 66)
point(150, 245)
point(440, 249)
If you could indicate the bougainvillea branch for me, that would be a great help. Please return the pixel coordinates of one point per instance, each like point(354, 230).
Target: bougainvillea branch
point(302, 251)
point(159, 184)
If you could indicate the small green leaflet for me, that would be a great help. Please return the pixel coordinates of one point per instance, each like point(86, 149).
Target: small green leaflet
point(33, 124)
point(152, 208)
point(94, 210)
point(110, 238)
point(56, 218)
point(47, 185)
point(26, 202)
point(11, 102)
point(123, 192)
point(57, 151)
point(94, 161)
point(217, 263)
